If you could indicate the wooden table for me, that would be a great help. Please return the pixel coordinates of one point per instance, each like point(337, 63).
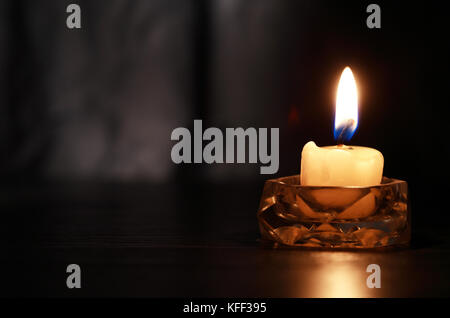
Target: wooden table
point(181, 240)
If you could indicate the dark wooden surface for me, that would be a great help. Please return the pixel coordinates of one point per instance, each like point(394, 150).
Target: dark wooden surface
point(170, 240)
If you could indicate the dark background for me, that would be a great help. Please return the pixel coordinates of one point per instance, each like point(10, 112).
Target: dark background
point(86, 117)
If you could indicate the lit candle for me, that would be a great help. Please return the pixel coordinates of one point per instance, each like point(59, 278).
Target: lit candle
point(342, 165)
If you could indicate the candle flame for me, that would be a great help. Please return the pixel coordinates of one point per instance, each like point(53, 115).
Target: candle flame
point(346, 118)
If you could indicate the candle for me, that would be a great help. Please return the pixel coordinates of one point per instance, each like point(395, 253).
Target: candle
point(342, 165)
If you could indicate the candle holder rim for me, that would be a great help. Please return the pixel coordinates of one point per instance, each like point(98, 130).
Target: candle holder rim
point(386, 181)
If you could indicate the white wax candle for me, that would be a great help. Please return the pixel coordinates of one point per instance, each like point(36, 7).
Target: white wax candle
point(340, 166)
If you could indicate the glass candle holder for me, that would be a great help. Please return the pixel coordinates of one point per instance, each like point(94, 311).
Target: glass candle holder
point(335, 217)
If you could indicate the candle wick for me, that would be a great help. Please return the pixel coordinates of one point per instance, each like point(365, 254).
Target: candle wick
point(345, 132)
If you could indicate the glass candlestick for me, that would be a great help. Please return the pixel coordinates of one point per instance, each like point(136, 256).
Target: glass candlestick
point(335, 217)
